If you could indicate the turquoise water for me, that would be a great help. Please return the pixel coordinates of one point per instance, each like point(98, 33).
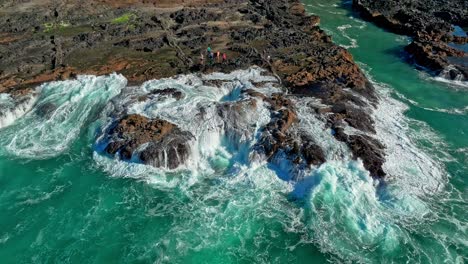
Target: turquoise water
point(62, 201)
point(442, 107)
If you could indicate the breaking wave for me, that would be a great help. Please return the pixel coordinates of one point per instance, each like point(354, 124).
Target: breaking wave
point(58, 115)
point(232, 196)
point(13, 108)
point(406, 161)
point(217, 139)
point(446, 76)
point(343, 210)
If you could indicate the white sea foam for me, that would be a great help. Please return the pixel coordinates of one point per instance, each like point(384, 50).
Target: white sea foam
point(362, 24)
point(453, 111)
point(239, 215)
point(346, 211)
point(11, 109)
point(122, 169)
point(456, 83)
point(347, 214)
point(218, 139)
point(406, 163)
point(61, 110)
point(444, 77)
point(222, 141)
point(315, 126)
point(353, 41)
point(349, 210)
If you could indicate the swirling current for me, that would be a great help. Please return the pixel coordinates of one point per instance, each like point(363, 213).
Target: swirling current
point(64, 200)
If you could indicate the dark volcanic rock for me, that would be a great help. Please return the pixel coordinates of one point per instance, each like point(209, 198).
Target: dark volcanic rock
point(366, 148)
point(155, 142)
point(430, 23)
point(278, 135)
point(169, 92)
point(437, 56)
point(145, 45)
point(155, 39)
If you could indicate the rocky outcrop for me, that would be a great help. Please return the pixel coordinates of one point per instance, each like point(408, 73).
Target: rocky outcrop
point(366, 148)
point(152, 141)
point(162, 144)
point(431, 24)
point(149, 42)
point(438, 56)
point(152, 39)
point(278, 136)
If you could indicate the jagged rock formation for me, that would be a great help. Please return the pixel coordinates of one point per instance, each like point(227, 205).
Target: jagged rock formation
point(430, 23)
point(155, 142)
point(277, 135)
point(144, 40)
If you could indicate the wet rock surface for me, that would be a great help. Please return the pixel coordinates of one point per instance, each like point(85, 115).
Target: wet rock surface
point(361, 146)
point(154, 142)
point(143, 40)
point(431, 24)
point(279, 135)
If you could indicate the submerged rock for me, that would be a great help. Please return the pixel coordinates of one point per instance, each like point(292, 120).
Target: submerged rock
point(170, 92)
point(46, 110)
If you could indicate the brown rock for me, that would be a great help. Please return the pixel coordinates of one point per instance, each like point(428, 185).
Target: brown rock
point(166, 145)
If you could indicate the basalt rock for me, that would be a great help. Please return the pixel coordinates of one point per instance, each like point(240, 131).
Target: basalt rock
point(431, 24)
point(366, 148)
point(279, 136)
point(168, 92)
point(146, 40)
point(154, 142)
point(439, 56)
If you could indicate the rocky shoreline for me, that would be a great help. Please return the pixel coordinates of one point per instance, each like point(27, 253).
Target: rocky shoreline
point(143, 40)
point(436, 42)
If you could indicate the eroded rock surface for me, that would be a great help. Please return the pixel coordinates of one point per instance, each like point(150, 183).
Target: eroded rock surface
point(431, 24)
point(143, 40)
point(155, 142)
point(279, 134)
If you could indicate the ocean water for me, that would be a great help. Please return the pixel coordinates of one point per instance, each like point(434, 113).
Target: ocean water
point(64, 201)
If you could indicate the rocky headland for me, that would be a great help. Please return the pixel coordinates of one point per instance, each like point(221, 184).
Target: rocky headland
point(44, 40)
point(438, 29)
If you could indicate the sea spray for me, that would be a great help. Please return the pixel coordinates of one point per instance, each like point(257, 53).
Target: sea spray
point(341, 208)
point(316, 126)
point(346, 214)
point(61, 110)
point(345, 210)
point(223, 120)
point(13, 108)
point(405, 160)
point(230, 203)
